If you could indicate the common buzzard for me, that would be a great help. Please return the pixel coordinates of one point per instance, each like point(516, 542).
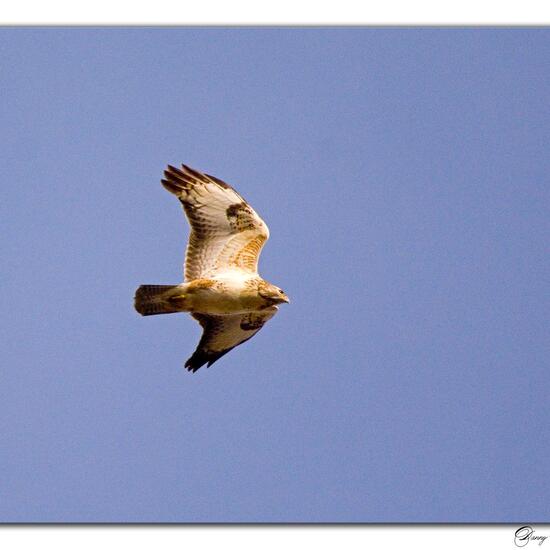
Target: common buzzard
point(222, 289)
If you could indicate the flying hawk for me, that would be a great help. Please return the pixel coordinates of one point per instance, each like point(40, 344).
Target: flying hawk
point(222, 289)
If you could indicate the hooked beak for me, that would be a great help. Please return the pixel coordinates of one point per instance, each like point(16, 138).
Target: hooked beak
point(285, 299)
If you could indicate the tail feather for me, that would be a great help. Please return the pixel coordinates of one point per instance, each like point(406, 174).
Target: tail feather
point(155, 299)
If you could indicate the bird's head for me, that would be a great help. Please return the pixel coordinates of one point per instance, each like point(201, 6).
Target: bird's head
point(272, 293)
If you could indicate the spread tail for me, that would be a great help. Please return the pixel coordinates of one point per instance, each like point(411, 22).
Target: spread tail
point(157, 299)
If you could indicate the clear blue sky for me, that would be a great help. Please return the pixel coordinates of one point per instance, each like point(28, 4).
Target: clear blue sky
point(404, 174)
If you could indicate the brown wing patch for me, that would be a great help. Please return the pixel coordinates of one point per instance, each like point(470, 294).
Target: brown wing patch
point(253, 321)
point(240, 217)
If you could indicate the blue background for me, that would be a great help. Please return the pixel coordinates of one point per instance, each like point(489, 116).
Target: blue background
point(404, 174)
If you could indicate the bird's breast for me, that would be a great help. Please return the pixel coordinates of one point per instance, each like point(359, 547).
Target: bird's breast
point(223, 297)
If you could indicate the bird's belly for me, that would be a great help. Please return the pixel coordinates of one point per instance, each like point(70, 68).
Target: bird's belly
point(214, 302)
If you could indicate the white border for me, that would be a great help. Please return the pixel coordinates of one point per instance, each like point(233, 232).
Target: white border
point(265, 537)
point(281, 12)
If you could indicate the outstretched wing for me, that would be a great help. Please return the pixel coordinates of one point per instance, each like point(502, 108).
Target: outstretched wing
point(226, 233)
point(221, 333)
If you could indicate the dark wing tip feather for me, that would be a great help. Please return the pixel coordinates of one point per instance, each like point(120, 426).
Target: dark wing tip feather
point(194, 173)
point(220, 182)
point(177, 180)
point(172, 172)
point(186, 176)
point(201, 357)
point(171, 186)
point(174, 180)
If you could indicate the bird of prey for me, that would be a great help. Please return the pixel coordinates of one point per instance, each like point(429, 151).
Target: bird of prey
point(222, 289)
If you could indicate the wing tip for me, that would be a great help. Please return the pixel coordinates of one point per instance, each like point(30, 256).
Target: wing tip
point(192, 368)
point(201, 358)
point(177, 180)
point(196, 174)
point(171, 186)
point(197, 360)
point(174, 181)
point(185, 176)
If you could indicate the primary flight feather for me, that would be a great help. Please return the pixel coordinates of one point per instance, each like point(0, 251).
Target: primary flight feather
point(222, 289)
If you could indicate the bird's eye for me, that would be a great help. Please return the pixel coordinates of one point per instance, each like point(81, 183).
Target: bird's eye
point(280, 291)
